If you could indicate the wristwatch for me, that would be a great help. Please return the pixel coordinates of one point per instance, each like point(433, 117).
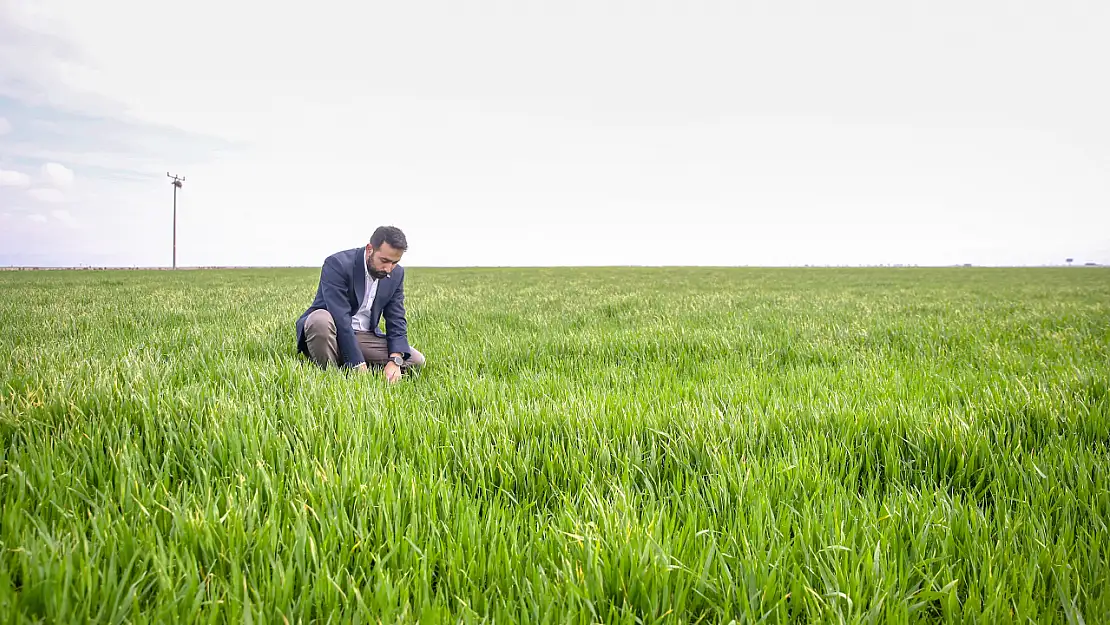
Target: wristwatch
point(398, 360)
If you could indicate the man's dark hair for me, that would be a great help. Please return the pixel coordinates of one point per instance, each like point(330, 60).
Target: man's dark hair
point(391, 235)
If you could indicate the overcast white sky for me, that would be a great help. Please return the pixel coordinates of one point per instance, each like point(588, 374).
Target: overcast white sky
point(555, 133)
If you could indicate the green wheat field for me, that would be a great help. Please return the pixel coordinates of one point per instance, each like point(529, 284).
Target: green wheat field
point(625, 445)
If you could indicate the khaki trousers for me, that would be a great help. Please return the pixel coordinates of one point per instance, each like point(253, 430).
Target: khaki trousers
point(323, 349)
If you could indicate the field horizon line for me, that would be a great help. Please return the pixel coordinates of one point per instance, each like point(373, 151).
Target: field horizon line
point(620, 266)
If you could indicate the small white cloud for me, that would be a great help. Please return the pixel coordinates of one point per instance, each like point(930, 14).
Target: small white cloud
point(57, 175)
point(5, 126)
point(52, 196)
point(64, 216)
point(9, 178)
point(37, 218)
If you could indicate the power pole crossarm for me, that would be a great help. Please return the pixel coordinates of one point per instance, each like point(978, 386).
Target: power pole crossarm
point(176, 185)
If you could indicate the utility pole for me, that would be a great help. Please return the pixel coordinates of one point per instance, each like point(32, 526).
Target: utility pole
point(176, 185)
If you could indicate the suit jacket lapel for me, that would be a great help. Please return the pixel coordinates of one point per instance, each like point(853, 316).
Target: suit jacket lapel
point(358, 277)
point(384, 292)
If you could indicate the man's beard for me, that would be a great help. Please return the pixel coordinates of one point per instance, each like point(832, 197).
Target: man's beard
point(374, 273)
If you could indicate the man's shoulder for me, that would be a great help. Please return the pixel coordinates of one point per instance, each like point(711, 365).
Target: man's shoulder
point(343, 257)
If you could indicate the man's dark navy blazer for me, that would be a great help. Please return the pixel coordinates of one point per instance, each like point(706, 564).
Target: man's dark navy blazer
point(341, 290)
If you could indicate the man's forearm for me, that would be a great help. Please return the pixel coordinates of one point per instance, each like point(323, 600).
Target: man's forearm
point(348, 344)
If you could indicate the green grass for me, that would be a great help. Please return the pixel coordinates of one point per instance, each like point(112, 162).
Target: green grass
point(614, 445)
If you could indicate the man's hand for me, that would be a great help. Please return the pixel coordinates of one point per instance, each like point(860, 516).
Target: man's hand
point(361, 367)
point(392, 372)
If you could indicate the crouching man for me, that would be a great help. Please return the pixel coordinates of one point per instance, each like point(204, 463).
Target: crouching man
point(357, 288)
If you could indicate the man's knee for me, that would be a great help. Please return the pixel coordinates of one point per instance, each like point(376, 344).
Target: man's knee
point(319, 338)
point(319, 321)
point(415, 359)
